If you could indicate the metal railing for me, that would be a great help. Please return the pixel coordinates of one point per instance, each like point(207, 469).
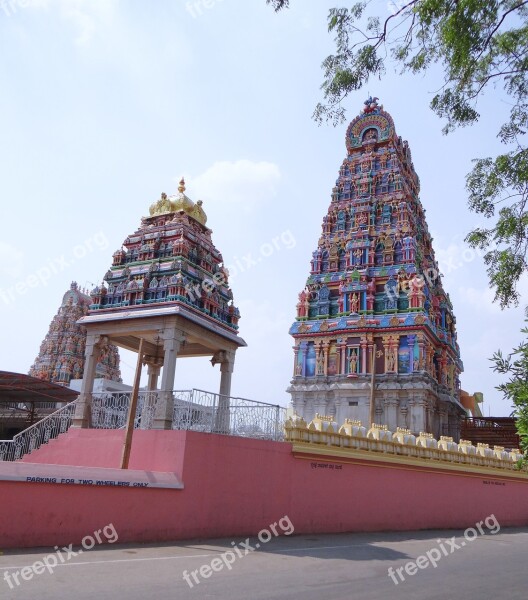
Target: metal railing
point(41, 433)
point(194, 410)
point(110, 409)
point(198, 410)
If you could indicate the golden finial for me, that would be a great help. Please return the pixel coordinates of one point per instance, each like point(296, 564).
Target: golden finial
point(181, 187)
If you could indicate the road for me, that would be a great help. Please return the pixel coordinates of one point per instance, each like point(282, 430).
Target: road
point(304, 567)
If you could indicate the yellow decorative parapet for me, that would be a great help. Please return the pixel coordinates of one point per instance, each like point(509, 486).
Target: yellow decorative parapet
point(484, 450)
point(447, 443)
point(353, 436)
point(404, 436)
point(380, 433)
point(322, 423)
point(351, 427)
point(466, 447)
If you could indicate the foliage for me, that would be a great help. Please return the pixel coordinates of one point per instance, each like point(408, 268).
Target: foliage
point(516, 388)
point(278, 4)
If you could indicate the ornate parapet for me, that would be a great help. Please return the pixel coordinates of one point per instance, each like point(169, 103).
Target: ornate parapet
point(500, 452)
point(404, 436)
point(426, 440)
point(354, 428)
point(484, 450)
point(379, 432)
point(467, 447)
point(352, 440)
point(323, 423)
point(447, 443)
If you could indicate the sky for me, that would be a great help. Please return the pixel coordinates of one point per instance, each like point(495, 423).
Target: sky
point(105, 104)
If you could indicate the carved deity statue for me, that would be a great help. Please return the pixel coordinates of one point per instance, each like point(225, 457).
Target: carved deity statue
point(358, 255)
point(298, 369)
point(391, 359)
point(320, 364)
point(386, 213)
point(302, 305)
point(361, 219)
point(341, 220)
point(353, 362)
point(354, 303)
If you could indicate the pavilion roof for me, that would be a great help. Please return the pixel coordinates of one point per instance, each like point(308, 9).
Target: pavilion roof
point(18, 387)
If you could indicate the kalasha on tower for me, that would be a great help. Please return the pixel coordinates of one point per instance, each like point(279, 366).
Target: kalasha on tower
point(374, 319)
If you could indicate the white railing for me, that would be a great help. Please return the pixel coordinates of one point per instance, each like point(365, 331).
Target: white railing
point(41, 433)
point(194, 410)
point(214, 413)
point(110, 409)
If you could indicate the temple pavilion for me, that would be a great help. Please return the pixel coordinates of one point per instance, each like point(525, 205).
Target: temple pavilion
point(168, 291)
point(375, 336)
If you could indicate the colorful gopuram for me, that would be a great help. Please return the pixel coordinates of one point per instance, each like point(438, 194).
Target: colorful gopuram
point(61, 355)
point(170, 258)
point(374, 319)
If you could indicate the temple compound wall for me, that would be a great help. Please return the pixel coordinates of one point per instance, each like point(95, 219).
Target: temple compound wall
point(235, 486)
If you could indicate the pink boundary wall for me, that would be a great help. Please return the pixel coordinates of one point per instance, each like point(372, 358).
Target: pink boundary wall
point(236, 487)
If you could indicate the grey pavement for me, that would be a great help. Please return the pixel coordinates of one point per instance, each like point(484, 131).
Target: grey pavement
point(307, 567)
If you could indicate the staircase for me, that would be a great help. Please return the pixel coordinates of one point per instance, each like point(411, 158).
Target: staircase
point(38, 434)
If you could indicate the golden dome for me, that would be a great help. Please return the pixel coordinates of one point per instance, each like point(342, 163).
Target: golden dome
point(180, 202)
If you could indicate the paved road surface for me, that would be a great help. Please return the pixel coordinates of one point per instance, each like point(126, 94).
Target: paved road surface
point(307, 567)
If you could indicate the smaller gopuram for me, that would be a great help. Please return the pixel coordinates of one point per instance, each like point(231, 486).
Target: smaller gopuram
point(167, 288)
point(375, 336)
point(61, 355)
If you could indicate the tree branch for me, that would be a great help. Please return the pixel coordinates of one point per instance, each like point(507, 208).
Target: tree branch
point(402, 9)
point(496, 28)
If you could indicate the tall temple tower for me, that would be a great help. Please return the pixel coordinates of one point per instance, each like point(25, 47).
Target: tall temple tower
point(61, 355)
point(373, 319)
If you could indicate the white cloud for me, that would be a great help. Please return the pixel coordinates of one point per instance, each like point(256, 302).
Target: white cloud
point(86, 16)
point(241, 182)
point(479, 299)
point(11, 260)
